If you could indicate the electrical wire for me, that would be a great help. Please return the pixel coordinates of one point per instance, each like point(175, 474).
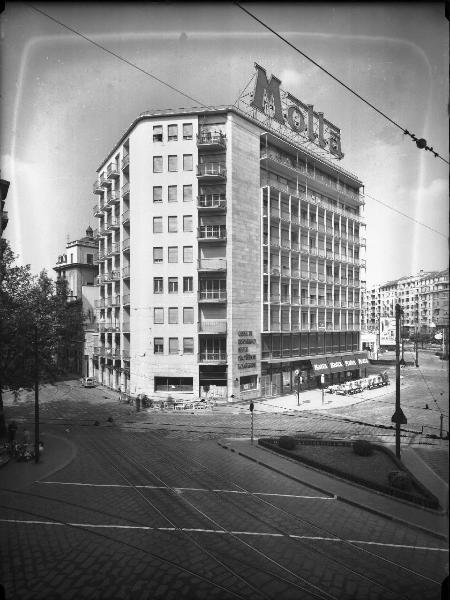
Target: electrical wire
point(421, 143)
point(174, 88)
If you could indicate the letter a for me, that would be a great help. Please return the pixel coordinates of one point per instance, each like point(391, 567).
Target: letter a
point(269, 90)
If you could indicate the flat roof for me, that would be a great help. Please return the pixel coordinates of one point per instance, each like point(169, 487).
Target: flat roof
point(211, 110)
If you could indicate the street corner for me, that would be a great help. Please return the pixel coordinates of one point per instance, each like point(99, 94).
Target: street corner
point(58, 452)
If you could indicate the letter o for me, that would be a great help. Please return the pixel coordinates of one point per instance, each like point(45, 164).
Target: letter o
point(294, 110)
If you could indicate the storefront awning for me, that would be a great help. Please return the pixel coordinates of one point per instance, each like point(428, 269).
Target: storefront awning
point(350, 362)
point(320, 366)
point(361, 358)
point(336, 364)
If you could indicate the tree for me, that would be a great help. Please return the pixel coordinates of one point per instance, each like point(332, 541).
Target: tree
point(37, 324)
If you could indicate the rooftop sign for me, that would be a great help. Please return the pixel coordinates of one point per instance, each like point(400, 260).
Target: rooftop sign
point(289, 115)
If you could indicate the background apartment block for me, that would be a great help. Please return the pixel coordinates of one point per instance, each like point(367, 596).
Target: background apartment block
point(228, 258)
point(424, 298)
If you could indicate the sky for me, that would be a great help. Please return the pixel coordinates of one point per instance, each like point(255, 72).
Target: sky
point(66, 102)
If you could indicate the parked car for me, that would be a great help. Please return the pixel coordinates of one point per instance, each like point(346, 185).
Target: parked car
point(88, 382)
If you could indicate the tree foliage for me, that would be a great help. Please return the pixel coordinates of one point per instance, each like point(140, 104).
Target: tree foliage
point(37, 324)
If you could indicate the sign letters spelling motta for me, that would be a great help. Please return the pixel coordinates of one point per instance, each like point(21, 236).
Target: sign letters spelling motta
point(300, 118)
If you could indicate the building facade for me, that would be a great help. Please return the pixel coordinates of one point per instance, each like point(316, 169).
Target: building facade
point(79, 266)
point(424, 299)
point(230, 259)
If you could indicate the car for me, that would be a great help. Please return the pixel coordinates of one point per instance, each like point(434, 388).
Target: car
point(89, 382)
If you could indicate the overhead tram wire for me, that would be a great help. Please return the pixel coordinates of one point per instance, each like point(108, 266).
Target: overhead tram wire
point(420, 143)
point(173, 88)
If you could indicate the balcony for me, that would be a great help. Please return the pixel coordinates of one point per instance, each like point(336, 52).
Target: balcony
point(115, 275)
point(126, 326)
point(96, 187)
point(112, 198)
point(126, 300)
point(104, 182)
point(212, 296)
point(115, 353)
point(126, 218)
point(114, 300)
point(212, 202)
point(212, 357)
point(125, 190)
point(113, 171)
point(212, 233)
point(113, 249)
point(97, 210)
point(125, 161)
point(212, 264)
point(126, 354)
point(213, 326)
point(211, 171)
point(112, 224)
point(126, 272)
point(211, 140)
point(126, 245)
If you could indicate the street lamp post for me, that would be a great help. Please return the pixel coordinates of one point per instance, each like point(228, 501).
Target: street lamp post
point(398, 417)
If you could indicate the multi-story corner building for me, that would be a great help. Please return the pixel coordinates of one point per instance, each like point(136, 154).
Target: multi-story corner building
point(230, 251)
point(424, 298)
point(79, 266)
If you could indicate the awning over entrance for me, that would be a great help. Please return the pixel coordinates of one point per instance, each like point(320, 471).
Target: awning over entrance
point(361, 358)
point(350, 362)
point(320, 366)
point(336, 364)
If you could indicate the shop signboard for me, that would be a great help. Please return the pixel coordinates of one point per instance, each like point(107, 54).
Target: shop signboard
point(320, 366)
point(335, 363)
point(387, 331)
point(361, 359)
point(350, 363)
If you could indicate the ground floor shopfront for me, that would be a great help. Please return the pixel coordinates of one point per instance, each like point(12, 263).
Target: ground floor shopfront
point(284, 377)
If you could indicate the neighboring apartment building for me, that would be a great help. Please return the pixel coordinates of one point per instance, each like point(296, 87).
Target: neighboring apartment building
point(230, 252)
point(424, 298)
point(79, 266)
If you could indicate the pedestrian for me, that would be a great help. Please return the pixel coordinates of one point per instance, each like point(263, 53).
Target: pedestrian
point(120, 394)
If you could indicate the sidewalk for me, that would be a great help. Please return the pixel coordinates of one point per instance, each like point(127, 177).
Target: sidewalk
point(431, 522)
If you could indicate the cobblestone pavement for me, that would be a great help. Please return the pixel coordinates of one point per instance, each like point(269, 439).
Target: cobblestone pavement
point(143, 515)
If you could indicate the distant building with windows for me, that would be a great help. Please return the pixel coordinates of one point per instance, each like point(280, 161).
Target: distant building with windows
point(424, 298)
point(230, 258)
point(79, 266)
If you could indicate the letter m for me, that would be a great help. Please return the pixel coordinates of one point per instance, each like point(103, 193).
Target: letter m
point(266, 96)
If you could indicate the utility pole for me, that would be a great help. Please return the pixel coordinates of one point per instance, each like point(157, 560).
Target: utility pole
point(416, 344)
point(252, 406)
point(36, 396)
point(398, 417)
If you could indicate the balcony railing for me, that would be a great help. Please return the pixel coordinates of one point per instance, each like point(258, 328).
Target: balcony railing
point(113, 249)
point(113, 170)
point(126, 244)
point(125, 189)
point(212, 169)
point(212, 357)
point(125, 161)
point(126, 325)
point(212, 295)
point(212, 201)
point(212, 232)
point(211, 139)
point(213, 326)
point(96, 187)
point(112, 198)
point(126, 299)
point(97, 209)
point(104, 180)
point(125, 272)
point(113, 223)
point(126, 217)
point(212, 264)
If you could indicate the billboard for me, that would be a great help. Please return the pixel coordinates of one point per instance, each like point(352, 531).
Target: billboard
point(387, 331)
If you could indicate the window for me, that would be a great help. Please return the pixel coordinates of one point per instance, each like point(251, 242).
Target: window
point(172, 254)
point(172, 163)
point(172, 224)
point(188, 284)
point(187, 162)
point(157, 193)
point(187, 223)
point(187, 254)
point(90, 259)
point(187, 193)
point(157, 133)
point(157, 255)
point(173, 285)
point(172, 193)
point(158, 285)
point(188, 314)
point(172, 133)
point(157, 225)
point(173, 345)
point(173, 315)
point(158, 346)
point(157, 164)
point(158, 316)
point(187, 131)
point(188, 345)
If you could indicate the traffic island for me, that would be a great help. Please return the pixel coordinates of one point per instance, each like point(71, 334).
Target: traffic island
point(370, 465)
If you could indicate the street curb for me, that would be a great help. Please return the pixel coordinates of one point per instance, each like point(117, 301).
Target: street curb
point(342, 499)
